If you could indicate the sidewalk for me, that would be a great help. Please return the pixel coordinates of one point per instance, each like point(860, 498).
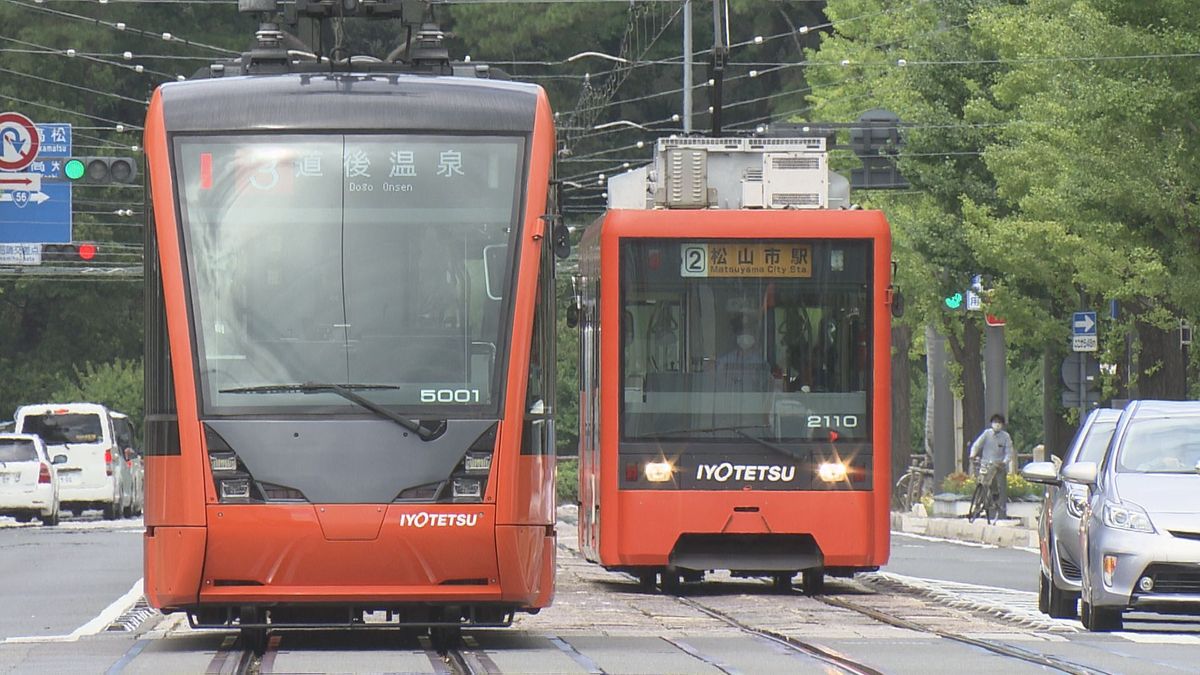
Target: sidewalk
point(1005, 533)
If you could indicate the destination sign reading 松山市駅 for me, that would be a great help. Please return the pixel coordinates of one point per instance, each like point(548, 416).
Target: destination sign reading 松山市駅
point(743, 259)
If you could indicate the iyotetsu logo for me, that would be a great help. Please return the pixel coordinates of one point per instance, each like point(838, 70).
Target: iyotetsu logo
point(424, 519)
point(726, 471)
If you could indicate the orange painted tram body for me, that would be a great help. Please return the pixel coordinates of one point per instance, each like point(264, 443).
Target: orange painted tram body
point(734, 377)
point(349, 350)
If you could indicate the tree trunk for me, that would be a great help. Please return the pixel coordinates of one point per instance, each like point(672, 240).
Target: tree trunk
point(1160, 364)
point(901, 398)
point(972, 381)
point(1057, 432)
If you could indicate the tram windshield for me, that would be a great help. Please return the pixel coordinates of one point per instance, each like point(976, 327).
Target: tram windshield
point(349, 259)
point(735, 338)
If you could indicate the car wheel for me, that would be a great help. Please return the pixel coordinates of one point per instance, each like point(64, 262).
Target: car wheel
point(111, 510)
point(23, 517)
point(1043, 594)
point(50, 520)
point(1101, 619)
point(1060, 603)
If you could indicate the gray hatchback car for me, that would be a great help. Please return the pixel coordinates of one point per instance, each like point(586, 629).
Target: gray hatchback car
point(1058, 525)
point(1140, 531)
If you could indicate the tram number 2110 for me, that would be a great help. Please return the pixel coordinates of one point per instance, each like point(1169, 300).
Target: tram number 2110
point(835, 421)
point(449, 396)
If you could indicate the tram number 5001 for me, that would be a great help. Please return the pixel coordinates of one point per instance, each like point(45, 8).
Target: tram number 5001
point(449, 396)
point(843, 421)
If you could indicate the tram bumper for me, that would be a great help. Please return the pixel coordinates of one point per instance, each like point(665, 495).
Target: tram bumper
point(319, 560)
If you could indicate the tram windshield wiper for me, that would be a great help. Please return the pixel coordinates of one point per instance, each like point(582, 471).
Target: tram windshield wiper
point(347, 392)
point(739, 430)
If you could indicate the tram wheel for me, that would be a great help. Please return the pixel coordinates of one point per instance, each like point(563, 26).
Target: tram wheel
point(783, 582)
point(814, 582)
point(646, 581)
point(253, 638)
point(670, 583)
point(445, 638)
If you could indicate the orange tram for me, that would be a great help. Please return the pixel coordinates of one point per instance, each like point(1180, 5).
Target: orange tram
point(734, 369)
point(350, 351)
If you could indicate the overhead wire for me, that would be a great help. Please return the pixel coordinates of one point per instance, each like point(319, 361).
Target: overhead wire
point(120, 26)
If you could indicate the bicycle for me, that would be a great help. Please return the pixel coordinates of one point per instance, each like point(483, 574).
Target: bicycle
point(986, 498)
point(915, 484)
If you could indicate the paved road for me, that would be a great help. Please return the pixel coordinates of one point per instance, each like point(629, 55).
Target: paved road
point(918, 556)
point(57, 579)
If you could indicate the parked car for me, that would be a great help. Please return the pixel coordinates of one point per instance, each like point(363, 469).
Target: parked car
point(96, 474)
point(133, 459)
point(28, 479)
point(1058, 525)
point(1140, 530)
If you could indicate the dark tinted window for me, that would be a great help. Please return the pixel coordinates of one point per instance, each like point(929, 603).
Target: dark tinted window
point(16, 450)
point(65, 428)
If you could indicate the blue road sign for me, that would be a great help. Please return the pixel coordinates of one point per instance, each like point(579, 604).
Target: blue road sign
point(35, 202)
point(1083, 323)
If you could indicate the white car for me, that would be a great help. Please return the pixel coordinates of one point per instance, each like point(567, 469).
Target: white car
point(28, 479)
point(95, 475)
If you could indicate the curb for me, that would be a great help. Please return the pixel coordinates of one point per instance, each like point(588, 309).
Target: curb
point(1006, 534)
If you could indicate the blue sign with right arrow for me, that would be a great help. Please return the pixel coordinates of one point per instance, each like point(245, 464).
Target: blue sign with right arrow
point(1083, 332)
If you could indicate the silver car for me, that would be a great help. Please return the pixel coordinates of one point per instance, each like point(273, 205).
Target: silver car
point(1058, 526)
point(1140, 531)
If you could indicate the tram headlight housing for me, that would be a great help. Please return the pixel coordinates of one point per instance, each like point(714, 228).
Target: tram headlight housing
point(234, 489)
point(832, 472)
point(221, 462)
point(658, 472)
point(464, 489)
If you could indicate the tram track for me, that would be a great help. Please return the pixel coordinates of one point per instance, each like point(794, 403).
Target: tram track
point(996, 647)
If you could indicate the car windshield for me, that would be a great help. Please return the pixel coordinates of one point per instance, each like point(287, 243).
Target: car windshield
point(57, 429)
point(17, 450)
point(1096, 441)
point(375, 259)
point(1161, 445)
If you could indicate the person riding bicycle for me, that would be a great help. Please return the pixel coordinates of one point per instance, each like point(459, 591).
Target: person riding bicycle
point(994, 448)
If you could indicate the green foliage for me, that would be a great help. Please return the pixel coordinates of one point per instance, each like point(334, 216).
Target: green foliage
point(566, 412)
point(567, 480)
point(117, 384)
point(959, 483)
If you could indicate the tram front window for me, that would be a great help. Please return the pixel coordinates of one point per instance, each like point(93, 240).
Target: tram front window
point(766, 339)
point(355, 259)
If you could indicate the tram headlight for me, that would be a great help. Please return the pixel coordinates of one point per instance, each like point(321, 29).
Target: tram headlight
point(477, 462)
point(235, 488)
point(223, 462)
point(466, 488)
point(658, 472)
point(832, 472)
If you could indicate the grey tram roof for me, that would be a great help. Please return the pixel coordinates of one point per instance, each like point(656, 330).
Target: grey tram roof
point(349, 101)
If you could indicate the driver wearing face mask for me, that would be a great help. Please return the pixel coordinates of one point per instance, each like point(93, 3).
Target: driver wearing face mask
point(744, 367)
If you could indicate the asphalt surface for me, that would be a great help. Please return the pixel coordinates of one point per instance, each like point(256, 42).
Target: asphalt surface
point(53, 580)
point(918, 556)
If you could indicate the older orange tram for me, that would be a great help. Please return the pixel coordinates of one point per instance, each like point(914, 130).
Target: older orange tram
point(734, 370)
point(349, 349)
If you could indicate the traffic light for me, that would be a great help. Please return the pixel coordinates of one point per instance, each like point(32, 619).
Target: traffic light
point(875, 139)
point(74, 252)
point(101, 170)
point(954, 301)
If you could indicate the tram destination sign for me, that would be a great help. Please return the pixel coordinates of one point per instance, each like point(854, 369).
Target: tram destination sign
point(743, 259)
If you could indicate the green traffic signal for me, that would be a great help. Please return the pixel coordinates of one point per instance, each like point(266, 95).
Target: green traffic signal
point(954, 301)
point(73, 169)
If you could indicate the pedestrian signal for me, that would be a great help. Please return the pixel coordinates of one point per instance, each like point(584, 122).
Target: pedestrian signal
point(954, 301)
point(101, 170)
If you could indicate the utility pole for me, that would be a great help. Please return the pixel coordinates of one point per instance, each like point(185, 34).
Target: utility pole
point(718, 66)
point(687, 66)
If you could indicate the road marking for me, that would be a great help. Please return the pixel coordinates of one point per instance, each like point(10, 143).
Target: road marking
point(1159, 639)
point(972, 544)
point(97, 624)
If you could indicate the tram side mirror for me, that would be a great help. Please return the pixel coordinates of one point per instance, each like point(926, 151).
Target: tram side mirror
point(572, 315)
point(494, 259)
point(897, 303)
point(562, 241)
